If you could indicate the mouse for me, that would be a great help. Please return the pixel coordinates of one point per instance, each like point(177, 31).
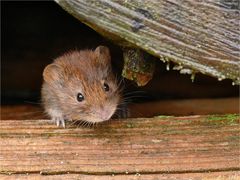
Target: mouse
point(80, 85)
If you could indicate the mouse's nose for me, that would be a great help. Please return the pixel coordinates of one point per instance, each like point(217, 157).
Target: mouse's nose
point(105, 113)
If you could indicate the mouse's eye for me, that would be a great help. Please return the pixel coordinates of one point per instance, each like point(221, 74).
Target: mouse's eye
point(105, 87)
point(80, 97)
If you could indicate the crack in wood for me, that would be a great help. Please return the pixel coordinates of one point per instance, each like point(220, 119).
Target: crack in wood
point(120, 173)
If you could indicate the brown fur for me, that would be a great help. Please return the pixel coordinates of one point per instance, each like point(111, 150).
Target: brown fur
point(80, 72)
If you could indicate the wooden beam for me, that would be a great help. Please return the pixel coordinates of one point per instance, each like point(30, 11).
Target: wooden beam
point(160, 145)
point(201, 36)
point(186, 107)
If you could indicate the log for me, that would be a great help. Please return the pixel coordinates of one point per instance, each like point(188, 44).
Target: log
point(198, 36)
point(173, 147)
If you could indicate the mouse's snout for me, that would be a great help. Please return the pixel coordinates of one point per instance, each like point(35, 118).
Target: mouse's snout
point(105, 113)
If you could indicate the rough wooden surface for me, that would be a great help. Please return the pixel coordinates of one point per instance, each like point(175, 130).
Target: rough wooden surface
point(199, 36)
point(234, 175)
point(132, 148)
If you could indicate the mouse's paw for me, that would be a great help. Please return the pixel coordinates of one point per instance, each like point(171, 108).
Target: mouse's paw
point(59, 121)
point(56, 116)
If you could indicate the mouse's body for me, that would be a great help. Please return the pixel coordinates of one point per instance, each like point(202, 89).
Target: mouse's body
point(80, 85)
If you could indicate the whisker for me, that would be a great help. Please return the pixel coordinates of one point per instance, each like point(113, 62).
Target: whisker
point(30, 113)
point(134, 92)
point(80, 124)
point(135, 95)
point(132, 97)
point(73, 123)
point(31, 102)
point(124, 103)
point(85, 123)
point(88, 124)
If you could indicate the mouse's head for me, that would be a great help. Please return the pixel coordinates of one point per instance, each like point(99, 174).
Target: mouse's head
point(84, 85)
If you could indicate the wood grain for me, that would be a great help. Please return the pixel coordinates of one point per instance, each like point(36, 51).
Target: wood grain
point(156, 146)
point(199, 35)
point(234, 175)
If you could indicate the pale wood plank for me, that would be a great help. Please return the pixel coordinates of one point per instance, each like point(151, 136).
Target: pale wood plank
point(157, 145)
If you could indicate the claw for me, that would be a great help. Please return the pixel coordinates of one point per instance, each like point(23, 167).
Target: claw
point(59, 121)
point(63, 123)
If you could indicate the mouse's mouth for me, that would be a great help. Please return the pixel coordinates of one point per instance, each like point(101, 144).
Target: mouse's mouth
point(96, 115)
point(97, 119)
point(92, 118)
point(100, 116)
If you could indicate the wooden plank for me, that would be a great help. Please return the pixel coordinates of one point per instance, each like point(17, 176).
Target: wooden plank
point(186, 107)
point(22, 111)
point(148, 109)
point(161, 145)
point(198, 35)
point(234, 175)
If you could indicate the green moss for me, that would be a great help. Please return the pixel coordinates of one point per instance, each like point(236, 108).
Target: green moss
point(130, 125)
point(233, 117)
point(228, 119)
point(163, 117)
point(234, 139)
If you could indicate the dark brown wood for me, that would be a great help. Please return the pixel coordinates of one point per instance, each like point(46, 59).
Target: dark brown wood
point(149, 109)
point(21, 112)
point(186, 107)
point(158, 146)
point(199, 36)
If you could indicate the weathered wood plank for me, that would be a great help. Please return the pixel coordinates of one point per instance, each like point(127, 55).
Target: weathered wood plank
point(234, 175)
point(172, 145)
point(199, 35)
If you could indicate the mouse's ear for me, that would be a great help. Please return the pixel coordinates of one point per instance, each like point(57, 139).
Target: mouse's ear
point(103, 54)
point(52, 73)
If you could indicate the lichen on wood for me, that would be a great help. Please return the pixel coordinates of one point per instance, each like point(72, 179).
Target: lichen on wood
point(138, 66)
point(202, 36)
